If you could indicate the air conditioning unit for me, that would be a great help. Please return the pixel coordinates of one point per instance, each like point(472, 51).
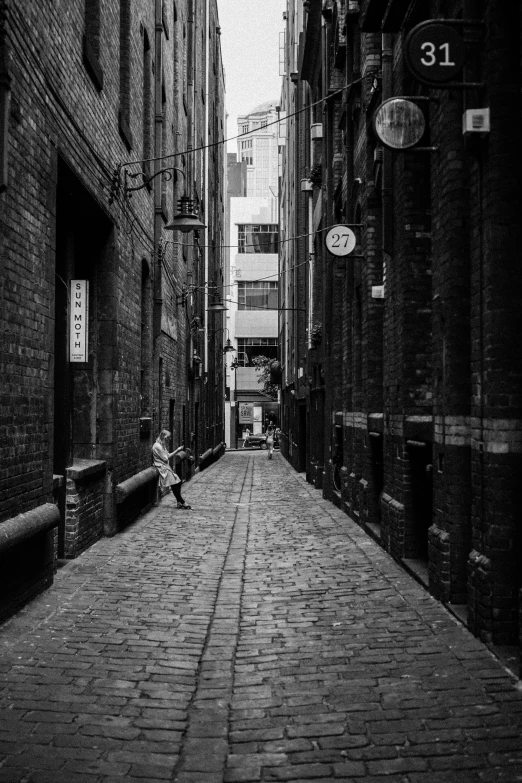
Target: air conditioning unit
point(377, 292)
point(316, 131)
point(306, 185)
point(475, 121)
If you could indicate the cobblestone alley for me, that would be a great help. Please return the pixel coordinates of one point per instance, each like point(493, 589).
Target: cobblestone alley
point(261, 636)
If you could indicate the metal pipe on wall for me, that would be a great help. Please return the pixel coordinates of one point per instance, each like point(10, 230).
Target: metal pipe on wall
point(387, 162)
point(205, 174)
point(158, 223)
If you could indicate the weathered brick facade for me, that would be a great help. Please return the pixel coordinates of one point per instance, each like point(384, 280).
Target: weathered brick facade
point(94, 98)
point(412, 399)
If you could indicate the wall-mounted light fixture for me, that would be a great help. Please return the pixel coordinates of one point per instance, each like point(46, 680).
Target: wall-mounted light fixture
point(228, 346)
point(186, 220)
point(217, 307)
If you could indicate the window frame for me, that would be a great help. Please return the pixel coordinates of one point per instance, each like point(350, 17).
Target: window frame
point(256, 229)
point(267, 291)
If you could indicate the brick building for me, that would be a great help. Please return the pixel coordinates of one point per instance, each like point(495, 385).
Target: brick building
point(96, 97)
point(402, 367)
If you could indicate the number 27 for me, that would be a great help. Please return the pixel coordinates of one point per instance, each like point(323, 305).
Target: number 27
point(337, 239)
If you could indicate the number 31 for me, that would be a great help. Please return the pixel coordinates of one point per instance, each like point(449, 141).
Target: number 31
point(429, 48)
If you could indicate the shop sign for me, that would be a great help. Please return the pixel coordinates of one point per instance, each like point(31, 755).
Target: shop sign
point(246, 412)
point(434, 51)
point(79, 321)
point(399, 123)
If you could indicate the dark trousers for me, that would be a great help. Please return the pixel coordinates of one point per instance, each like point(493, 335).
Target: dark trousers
point(176, 491)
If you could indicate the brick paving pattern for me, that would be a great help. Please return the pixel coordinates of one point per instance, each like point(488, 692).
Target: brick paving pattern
point(260, 637)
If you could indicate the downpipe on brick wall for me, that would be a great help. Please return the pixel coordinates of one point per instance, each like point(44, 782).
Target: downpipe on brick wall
point(387, 170)
point(158, 152)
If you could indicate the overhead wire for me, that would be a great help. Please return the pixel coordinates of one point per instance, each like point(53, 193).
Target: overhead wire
point(257, 279)
point(247, 133)
point(250, 244)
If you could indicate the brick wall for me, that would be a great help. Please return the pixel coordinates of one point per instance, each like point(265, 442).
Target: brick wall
point(78, 111)
point(84, 515)
point(426, 384)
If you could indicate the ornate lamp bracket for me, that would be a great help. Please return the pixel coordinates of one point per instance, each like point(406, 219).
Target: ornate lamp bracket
point(168, 173)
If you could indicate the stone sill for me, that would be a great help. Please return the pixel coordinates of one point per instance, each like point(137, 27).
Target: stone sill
point(24, 526)
point(418, 568)
point(82, 469)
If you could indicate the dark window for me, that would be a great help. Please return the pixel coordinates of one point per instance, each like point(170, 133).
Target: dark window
point(261, 238)
point(93, 25)
point(147, 102)
point(125, 71)
point(91, 42)
point(146, 330)
point(4, 102)
point(257, 296)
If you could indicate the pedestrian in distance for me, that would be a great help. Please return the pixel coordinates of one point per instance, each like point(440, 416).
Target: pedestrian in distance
point(270, 433)
point(160, 460)
point(246, 433)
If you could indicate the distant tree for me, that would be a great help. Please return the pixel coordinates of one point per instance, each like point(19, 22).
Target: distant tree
point(263, 367)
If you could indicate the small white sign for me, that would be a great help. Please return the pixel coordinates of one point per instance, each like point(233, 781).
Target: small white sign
point(79, 321)
point(246, 413)
point(340, 240)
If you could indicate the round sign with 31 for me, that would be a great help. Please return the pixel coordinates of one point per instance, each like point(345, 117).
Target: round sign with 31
point(434, 52)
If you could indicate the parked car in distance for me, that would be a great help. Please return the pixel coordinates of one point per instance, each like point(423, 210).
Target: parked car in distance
point(257, 441)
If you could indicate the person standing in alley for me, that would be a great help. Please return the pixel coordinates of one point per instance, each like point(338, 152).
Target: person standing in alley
point(270, 433)
point(160, 459)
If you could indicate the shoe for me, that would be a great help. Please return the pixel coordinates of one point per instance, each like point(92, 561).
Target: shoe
point(184, 505)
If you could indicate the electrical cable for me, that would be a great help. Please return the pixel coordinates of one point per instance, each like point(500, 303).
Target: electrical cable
point(280, 241)
point(257, 280)
point(247, 133)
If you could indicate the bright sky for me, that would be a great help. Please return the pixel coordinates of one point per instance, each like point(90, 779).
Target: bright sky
point(250, 46)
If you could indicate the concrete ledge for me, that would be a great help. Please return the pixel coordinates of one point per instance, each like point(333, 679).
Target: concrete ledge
point(82, 469)
point(24, 526)
point(375, 422)
point(206, 459)
point(126, 488)
point(418, 428)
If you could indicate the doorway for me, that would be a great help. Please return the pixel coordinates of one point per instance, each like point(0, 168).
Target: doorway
point(301, 467)
point(421, 477)
point(82, 423)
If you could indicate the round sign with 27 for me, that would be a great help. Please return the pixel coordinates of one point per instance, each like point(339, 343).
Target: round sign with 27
point(340, 240)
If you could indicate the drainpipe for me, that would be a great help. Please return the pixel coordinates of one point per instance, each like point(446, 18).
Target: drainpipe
point(387, 171)
point(206, 184)
point(188, 182)
point(189, 179)
point(311, 260)
point(157, 164)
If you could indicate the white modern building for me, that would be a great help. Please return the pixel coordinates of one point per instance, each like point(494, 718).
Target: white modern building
point(252, 301)
point(257, 145)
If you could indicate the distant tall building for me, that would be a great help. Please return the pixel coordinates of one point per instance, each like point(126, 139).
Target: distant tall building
point(257, 145)
point(253, 231)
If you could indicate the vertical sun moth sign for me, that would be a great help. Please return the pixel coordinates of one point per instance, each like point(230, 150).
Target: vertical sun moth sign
point(79, 321)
